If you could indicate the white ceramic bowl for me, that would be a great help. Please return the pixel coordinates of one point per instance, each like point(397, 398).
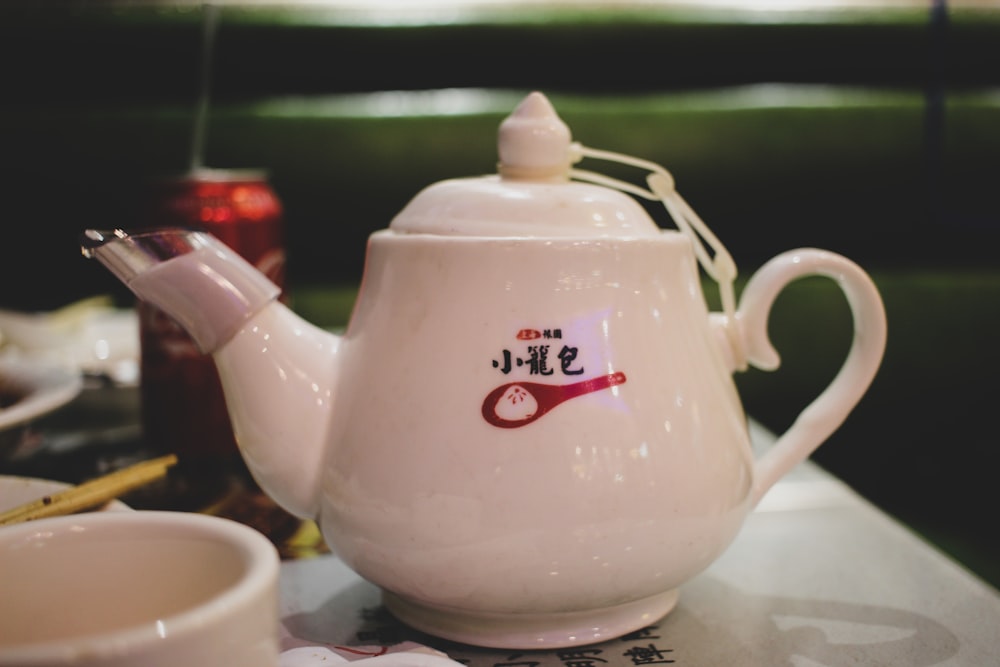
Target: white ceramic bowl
point(144, 588)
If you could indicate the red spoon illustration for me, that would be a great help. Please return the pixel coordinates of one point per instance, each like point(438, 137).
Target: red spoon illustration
point(519, 403)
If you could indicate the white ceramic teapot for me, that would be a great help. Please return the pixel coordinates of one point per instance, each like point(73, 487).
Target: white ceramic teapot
point(528, 435)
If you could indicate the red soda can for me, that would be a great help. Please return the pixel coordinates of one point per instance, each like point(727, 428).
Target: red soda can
point(183, 409)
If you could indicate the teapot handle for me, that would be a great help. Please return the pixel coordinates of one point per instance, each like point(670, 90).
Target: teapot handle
point(829, 410)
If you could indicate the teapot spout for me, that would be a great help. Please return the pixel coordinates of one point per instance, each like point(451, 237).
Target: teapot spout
point(277, 370)
point(210, 290)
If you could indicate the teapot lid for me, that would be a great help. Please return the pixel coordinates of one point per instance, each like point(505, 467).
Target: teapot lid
point(531, 195)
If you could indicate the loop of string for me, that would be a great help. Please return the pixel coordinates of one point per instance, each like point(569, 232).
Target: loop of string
point(719, 266)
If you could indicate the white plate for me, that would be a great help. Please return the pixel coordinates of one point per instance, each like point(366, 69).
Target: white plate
point(90, 336)
point(16, 491)
point(31, 389)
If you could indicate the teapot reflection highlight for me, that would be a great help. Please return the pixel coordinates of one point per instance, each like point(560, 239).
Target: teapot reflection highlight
point(496, 504)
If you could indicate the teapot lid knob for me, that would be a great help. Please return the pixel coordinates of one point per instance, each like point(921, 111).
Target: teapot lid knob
point(533, 143)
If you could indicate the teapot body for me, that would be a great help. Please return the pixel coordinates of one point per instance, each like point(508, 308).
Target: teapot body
point(452, 500)
point(529, 435)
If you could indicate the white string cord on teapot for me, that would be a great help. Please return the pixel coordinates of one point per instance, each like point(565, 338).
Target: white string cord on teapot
point(720, 266)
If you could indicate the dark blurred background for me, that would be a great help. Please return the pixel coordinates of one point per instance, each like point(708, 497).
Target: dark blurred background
point(870, 129)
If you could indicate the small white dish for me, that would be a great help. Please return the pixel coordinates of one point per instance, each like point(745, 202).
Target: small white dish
point(15, 491)
point(30, 390)
point(90, 336)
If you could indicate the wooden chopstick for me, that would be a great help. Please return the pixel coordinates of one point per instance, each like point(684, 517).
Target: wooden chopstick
point(92, 493)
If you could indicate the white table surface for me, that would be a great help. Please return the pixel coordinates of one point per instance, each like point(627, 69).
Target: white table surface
point(817, 576)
